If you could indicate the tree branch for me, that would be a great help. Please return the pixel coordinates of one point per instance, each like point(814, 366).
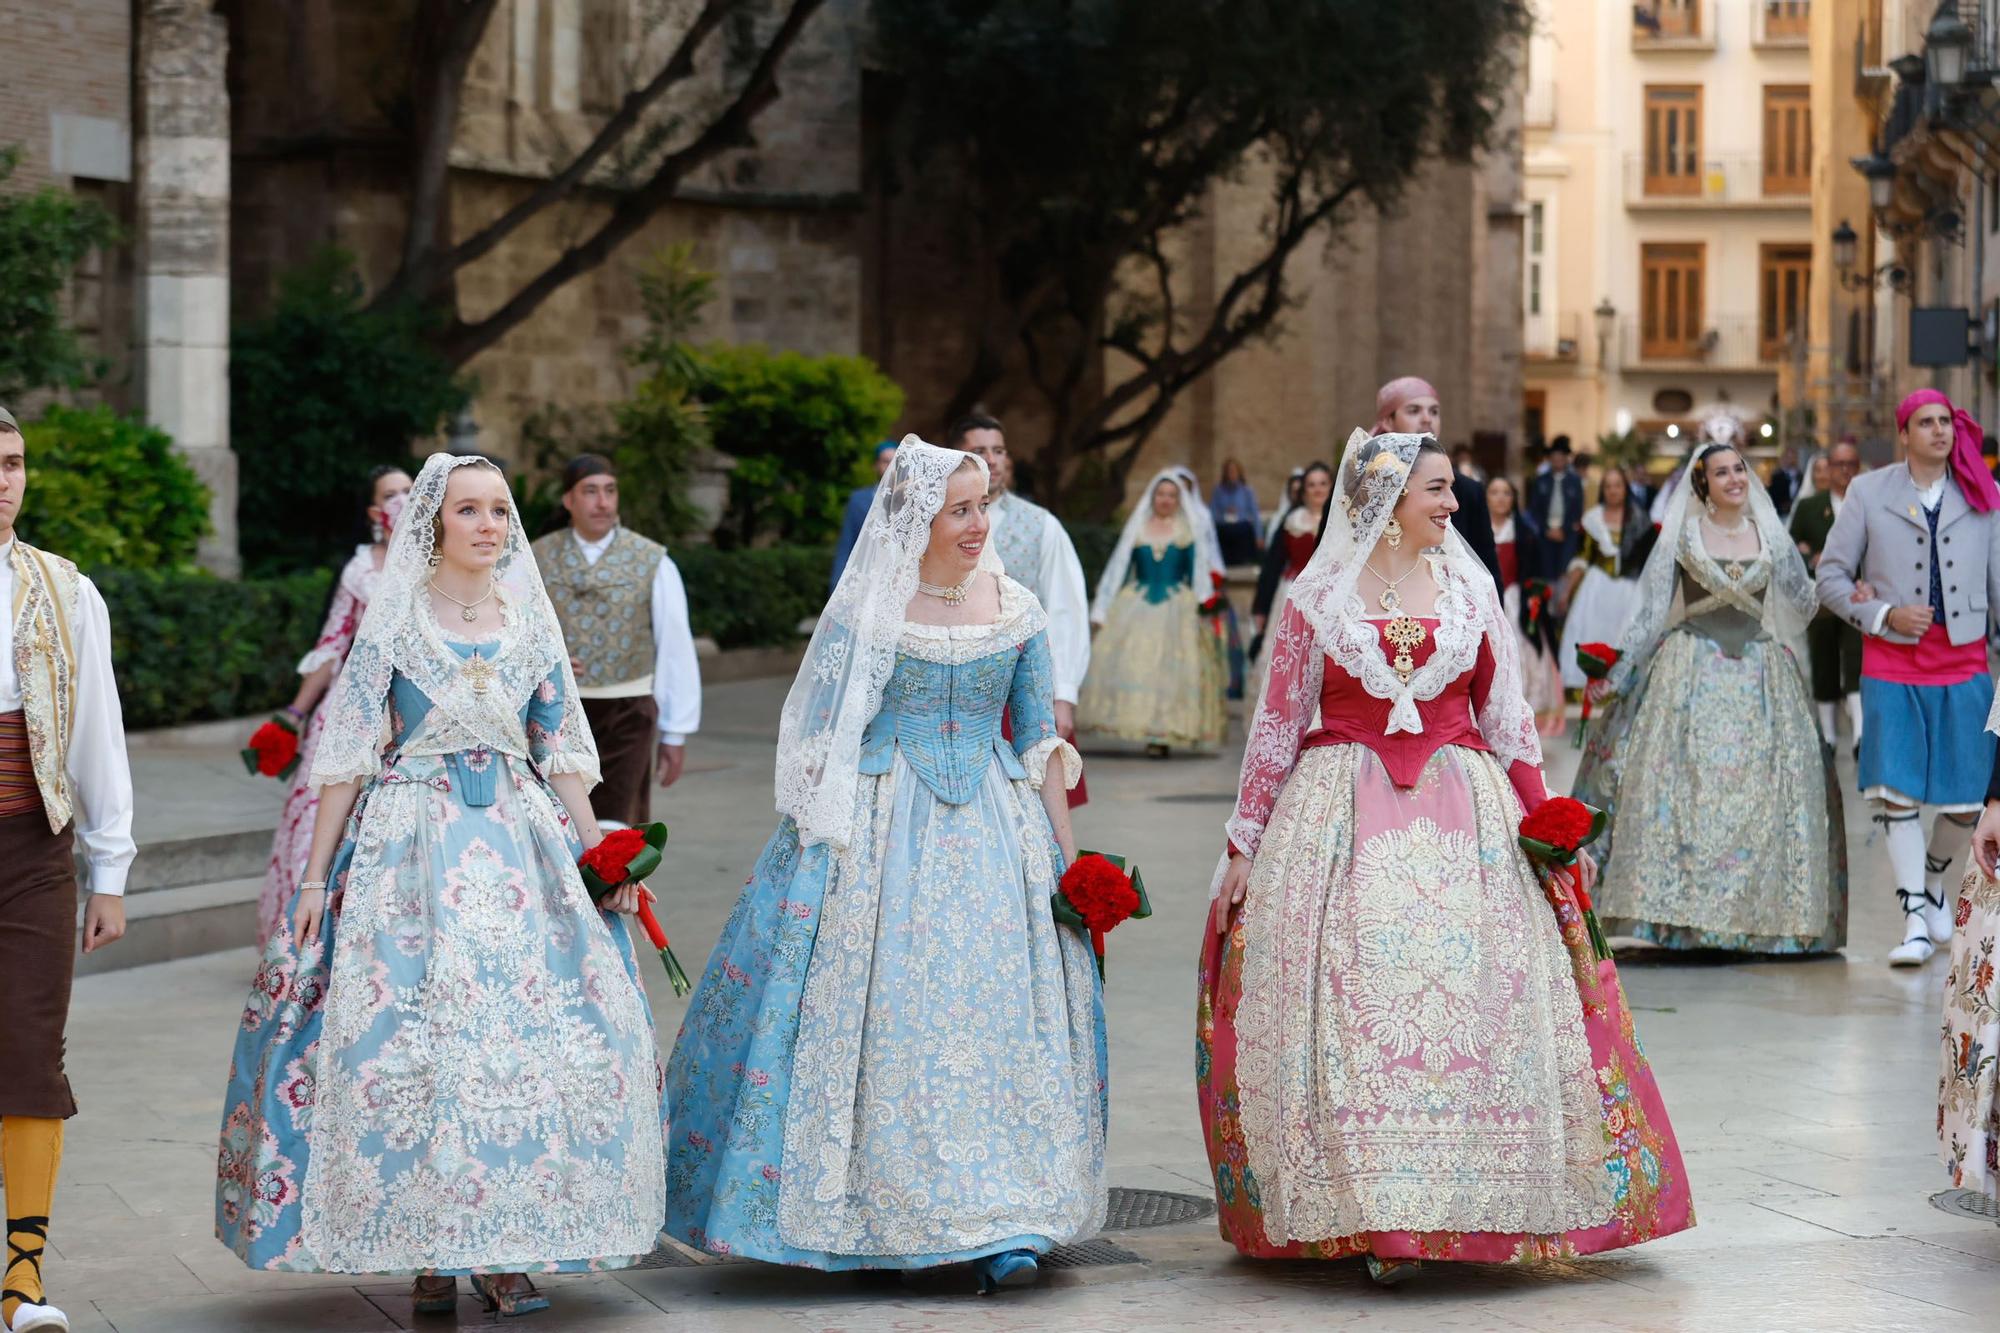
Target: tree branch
point(445, 35)
point(730, 129)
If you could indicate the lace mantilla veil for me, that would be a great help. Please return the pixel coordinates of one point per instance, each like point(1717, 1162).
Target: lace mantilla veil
point(1207, 543)
point(1367, 487)
point(1788, 603)
point(400, 633)
point(847, 665)
point(1187, 523)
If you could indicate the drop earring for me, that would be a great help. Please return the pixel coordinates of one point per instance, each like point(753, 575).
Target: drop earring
point(1394, 534)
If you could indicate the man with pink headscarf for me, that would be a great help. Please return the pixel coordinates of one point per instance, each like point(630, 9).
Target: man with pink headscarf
point(1410, 406)
point(1913, 562)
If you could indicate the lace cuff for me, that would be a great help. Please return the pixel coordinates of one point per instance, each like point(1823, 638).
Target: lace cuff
point(318, 658)
point(1036, 760)
point(572, 761)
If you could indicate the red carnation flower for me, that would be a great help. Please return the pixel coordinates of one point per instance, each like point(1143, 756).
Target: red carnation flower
point(1561, 822)
point(273, 751)
point(1101, 893)
point(612, 858)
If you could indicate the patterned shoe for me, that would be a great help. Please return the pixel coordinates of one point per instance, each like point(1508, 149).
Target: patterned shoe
point(1009, 1268)
point(434, 1295)
point(510, 1301)
point(1391, 1272)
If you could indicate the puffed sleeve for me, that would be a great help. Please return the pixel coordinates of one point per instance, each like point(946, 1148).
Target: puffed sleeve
point(343, 618)
point(559, 739)
point(1031, 709)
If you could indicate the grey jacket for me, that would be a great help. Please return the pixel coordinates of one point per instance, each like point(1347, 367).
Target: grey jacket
point(1881, 539)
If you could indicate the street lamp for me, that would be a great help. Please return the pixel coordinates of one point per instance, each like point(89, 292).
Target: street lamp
point(1947, 45)
point(1606, 317)
point(1845, 245)
point(1880, 174)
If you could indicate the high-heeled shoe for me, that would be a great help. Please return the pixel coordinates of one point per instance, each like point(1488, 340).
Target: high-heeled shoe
point(1009, 1268)
point(510, 1302)
point(433, 1295)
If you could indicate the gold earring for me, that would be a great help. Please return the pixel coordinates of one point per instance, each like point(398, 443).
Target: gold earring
point(1394, 532)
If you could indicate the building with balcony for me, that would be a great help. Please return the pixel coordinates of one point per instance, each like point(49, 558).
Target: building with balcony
point(1669, 171)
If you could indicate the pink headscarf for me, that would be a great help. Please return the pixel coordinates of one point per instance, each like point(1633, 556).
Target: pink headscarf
point(1968, 464)
point(1391, 396)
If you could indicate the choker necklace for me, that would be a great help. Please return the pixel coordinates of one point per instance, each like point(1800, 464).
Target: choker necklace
point(1389, 599)
point(467, 611)
point(1738, 530)
point(955, 595)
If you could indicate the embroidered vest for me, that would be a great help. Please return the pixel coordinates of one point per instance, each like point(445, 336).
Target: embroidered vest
point(46, 589)
point(1018, 538)
point(606, 609)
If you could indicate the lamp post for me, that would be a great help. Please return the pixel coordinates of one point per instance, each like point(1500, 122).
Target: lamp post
point(1947, 47)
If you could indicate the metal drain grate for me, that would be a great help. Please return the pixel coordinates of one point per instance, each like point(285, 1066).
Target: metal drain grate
point(1135, 1210)
point(1099, 1253)
point(1967, 1203)
point(1197, 798)
point(666, 1254)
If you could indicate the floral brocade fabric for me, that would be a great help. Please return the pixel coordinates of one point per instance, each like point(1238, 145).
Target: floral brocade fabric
point(1405, 1046)
point(462, 1074)
point(1968, 1100)
point(1158, 671)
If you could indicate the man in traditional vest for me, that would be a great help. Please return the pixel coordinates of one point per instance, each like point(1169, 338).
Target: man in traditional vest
point(1036, 553)
point(63, 779)
point(624, 613)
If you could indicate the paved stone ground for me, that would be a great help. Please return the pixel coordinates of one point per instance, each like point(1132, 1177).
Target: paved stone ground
point(1802, 1093)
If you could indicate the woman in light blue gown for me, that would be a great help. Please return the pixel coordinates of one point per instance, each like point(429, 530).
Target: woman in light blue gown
point(449, 1066)
point(895, 1058)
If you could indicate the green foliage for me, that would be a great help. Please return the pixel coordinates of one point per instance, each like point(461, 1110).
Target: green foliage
point(43, 236)
point(188, 647)
point(108, 490)
point(321, 390)
point(1094, 543)
point(1629, 450)
point(753, 598)
point(802, 430)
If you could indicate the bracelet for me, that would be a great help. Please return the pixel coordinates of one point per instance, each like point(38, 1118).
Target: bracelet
point(306, 884)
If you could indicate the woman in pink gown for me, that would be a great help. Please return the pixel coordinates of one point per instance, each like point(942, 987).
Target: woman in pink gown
point(1406, 1048)
point(317, 671)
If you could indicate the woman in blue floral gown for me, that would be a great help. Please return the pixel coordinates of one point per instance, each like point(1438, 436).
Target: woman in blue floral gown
point(895, 1058)
point(449, 1067)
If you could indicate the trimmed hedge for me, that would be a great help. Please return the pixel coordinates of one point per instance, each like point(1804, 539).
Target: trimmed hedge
point(190, 647)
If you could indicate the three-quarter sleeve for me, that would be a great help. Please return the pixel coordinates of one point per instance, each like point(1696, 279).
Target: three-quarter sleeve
point(1031, 710)
point(343, 618)
point(1278, 729)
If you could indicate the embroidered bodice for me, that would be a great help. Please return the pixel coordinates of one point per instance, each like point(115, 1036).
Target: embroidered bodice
point(1157, 573)
point(1299, 547)
point(472, 765)
point(1730, 625)
point(942, 707)
point(1349, 714)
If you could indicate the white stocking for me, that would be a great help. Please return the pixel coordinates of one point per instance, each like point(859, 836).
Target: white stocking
point(1951, 837)
point(1854, 716)
point(1826, 721)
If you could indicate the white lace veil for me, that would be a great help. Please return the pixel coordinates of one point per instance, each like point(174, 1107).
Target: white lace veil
point(1209, 545)
point(400, 633)
point(847, 665)
point(1120, 563)
point(1788, 602)
point(1367, 486)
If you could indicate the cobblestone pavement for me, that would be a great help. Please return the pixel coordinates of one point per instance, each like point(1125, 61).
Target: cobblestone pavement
point(1802, 1093)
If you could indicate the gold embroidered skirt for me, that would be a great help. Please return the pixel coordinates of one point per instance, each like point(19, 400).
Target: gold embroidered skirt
point(1157, 674)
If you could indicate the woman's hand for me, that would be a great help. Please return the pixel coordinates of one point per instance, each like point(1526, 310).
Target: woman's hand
point(1235, 881)
point(1586, 870)
point(1597, 691)
point(1986, 839)
point(308, 916)
point(625, 899)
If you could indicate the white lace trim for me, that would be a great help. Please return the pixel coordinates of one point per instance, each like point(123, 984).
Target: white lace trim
point(1021, 618)
point(1036, 760)
point(1355, 645)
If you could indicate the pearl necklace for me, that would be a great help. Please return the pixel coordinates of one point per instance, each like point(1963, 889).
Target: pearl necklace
point(467, 611)
point(954, 595)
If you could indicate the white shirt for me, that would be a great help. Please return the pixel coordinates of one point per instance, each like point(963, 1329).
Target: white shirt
point(676, 673)
point(1064, 597)
point(100, 777)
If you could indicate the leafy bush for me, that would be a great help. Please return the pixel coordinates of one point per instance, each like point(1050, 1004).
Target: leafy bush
point(187, 647)
point(106, 490)
point(322, 389)
point(802, 430)
point(43, 237)
point(1094, 543)
point(753, 598)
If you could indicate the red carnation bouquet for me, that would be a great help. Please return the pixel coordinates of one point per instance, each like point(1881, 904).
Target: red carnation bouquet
point(625, 855)
point(1595, 660)
point(1213, 606)
point(1559, 828)
point(1099, 891)
point(273, 751)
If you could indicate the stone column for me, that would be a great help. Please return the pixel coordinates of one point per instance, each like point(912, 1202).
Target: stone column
point(183, 224)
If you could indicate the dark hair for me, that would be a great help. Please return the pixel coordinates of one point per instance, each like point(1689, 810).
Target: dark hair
point(1229, 463)
point(583, 467)
point(375, 475)
point(1698, 468)
point(1623, 475)
point(1513, 491)
point(972, 421)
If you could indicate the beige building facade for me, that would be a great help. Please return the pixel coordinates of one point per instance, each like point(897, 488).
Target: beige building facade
point(1669, 253)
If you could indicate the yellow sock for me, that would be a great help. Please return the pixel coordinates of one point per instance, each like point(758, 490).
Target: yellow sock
point(30, 1152)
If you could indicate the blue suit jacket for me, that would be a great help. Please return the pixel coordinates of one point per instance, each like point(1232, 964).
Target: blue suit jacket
point(850, 532)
